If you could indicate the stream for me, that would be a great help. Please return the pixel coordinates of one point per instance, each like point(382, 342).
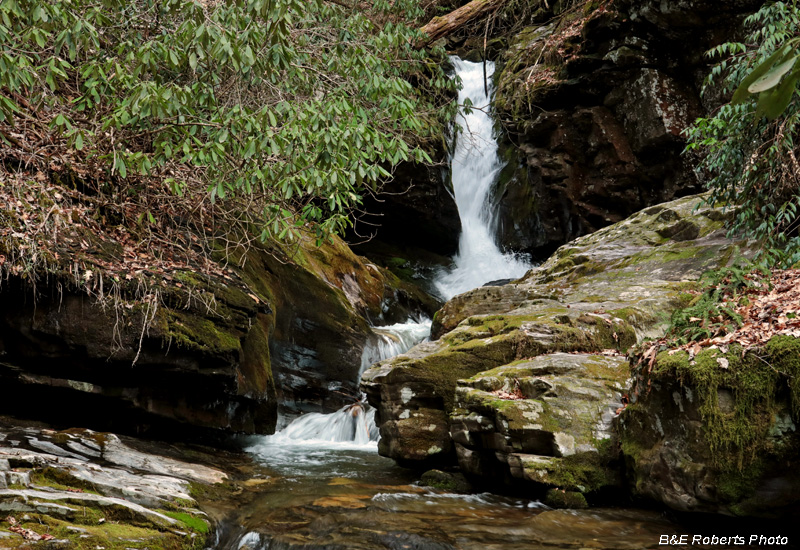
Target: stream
point(320, 481)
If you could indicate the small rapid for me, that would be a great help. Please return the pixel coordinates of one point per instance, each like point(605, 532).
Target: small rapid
point(475, 167)
point(328, 442)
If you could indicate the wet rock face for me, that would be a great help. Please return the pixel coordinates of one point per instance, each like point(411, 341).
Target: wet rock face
point(595, 106)
point(415, 210)
point(212, 356)
point(497, 388)
point(68, 359)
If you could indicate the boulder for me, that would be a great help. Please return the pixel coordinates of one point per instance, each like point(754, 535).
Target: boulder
point(717, 432)
point(546, 421)
point(602, 292)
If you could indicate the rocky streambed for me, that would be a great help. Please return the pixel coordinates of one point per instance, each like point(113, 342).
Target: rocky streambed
point(521, 390)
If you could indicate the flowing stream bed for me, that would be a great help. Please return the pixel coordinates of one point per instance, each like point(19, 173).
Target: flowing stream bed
point(319, 482)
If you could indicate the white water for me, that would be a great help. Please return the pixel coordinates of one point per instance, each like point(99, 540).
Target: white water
point(393, 340)
point(475, 167)
point(309, 439)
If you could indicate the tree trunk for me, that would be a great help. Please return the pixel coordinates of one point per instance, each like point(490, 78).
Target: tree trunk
point(440, 27)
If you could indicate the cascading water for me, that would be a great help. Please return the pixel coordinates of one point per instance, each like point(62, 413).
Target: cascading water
point(315, 438)
point(475, 167)
point(323, 484)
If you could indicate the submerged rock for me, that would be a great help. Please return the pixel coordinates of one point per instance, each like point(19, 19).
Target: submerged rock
point(446, 481)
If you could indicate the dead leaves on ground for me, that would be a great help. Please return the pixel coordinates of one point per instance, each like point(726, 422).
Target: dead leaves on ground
point(47, 225)
point(768, 310)
point(27, 534)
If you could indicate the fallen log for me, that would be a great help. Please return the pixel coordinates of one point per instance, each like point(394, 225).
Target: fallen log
point(439, 27)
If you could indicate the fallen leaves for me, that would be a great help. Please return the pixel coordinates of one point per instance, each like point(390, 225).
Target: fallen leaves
point(506, 395)
point(27, 534)
point(765, 311)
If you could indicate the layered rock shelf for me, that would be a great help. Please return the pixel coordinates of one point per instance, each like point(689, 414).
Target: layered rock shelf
point(523, 380)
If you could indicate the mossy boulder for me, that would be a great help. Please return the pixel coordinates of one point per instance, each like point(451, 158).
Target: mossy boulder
point(605, 291)
point(451, 482)
point(545, 422)
point(717, 432)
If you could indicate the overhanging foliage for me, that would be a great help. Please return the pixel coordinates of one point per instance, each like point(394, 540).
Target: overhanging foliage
point(291, 110)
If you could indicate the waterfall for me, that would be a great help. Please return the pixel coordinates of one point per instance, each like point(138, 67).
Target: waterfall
point(475, 166)
point(353, 424)
point(393, 340)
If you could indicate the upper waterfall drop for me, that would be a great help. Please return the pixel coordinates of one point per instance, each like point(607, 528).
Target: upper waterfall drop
point(475, 166)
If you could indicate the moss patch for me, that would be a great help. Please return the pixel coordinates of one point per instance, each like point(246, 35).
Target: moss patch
point(192, 522)
point(559, 498)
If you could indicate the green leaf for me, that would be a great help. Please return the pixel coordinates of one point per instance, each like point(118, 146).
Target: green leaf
point(742, 91)
point(121, 168)
point(771, 79)
point(780, 98)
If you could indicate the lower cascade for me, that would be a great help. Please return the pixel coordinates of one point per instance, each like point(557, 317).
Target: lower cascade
point(353, 424)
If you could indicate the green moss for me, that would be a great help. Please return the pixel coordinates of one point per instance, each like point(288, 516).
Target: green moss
point(401, 267)
point(738, 433)
point(736, 486)
point(110, 535)
point(256, 363)
point(783, 353)
point(194, 332)
point(559, 498)
point(634, 316)
point(194, 523)
point(60, 479)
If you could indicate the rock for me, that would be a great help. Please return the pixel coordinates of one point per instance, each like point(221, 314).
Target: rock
point(594, 105)
point(557, 498)
point(700, 438)
point(212, 355)
point(545, 421)
point(605, 291)
point(145, 496)
point(446, 481)
point(415, 209)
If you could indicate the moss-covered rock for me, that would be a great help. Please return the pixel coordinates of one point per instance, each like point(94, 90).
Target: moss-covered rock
point(87, 489)
point(544, 421)
point(451, 482)
point(559, 498)
point(593, 111)
point(716, 432)
point(200, 353)
point(604, 291)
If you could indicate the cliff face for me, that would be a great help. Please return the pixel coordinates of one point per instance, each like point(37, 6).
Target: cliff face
point(97, 332)
point(593, 106)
